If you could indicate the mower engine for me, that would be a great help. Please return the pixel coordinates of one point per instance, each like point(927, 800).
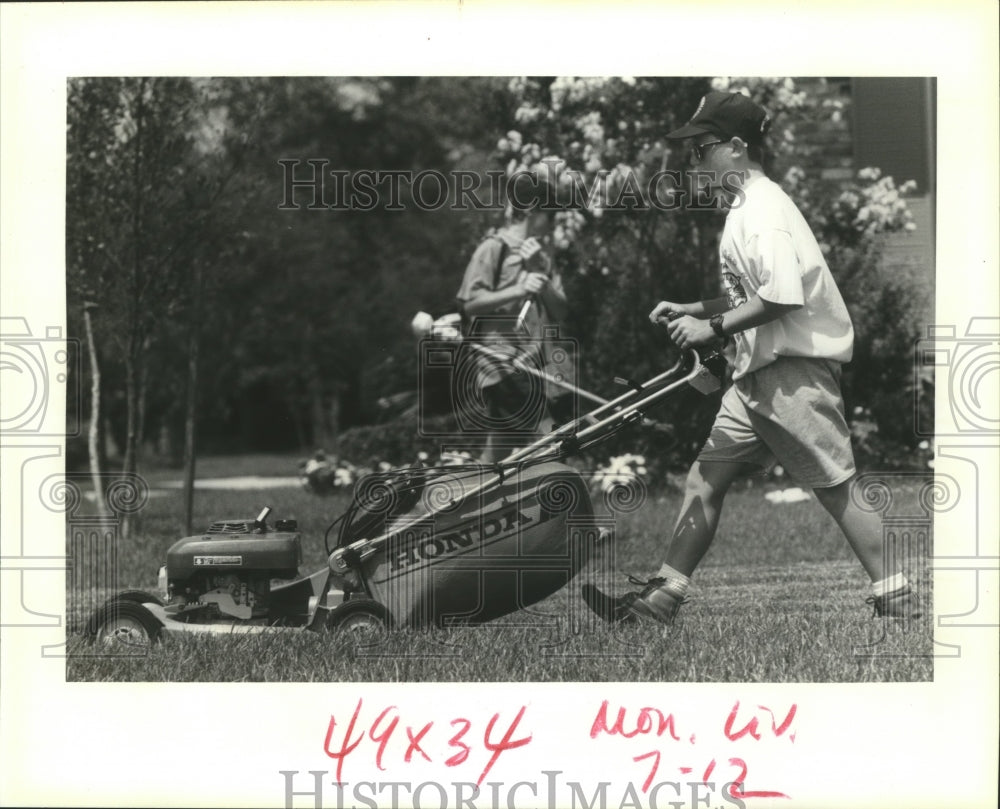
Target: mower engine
point(228, 569)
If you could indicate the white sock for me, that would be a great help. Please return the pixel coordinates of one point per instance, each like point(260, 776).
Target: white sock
point(675, 581)
point(889, 585)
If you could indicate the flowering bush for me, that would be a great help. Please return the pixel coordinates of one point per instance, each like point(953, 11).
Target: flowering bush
point(620, 471)
point(869, 207)
point(324, 475)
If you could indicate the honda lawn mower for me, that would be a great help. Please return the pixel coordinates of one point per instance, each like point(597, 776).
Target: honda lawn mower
point(417, 547)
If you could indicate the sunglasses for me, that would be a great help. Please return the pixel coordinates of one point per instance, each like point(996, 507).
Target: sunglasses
point(698, 149)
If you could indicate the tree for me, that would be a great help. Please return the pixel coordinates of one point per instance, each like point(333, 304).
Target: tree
point(148, 162)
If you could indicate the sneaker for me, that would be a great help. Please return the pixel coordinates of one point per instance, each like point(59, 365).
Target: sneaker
point(901, 603)
point(653, 601)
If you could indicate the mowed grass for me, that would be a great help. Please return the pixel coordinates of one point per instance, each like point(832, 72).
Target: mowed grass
point(779, 598)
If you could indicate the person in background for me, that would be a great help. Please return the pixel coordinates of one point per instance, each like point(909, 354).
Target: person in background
point(512, 300)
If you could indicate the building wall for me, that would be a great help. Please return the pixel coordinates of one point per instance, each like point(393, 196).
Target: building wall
point(888, 123)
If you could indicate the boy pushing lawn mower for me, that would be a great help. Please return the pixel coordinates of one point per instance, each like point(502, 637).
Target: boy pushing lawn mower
point(786, 332)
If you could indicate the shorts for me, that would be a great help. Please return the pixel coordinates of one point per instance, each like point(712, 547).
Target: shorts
point(789, 412)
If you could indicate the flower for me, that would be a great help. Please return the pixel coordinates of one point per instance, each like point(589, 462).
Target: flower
point(620, 471)
point(792, 495)
point(527, 113)
point(460, 458)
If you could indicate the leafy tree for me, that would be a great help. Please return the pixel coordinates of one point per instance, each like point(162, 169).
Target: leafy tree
point(147, 165)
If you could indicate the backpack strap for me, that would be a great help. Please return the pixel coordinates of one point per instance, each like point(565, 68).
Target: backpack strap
point(497, 271)
point(504, 250)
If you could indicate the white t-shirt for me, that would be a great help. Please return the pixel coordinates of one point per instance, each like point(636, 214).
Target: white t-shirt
point(767, 249)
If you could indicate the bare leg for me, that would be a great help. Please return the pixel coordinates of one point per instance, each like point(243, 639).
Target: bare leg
point(707, 484)
point(863, 529)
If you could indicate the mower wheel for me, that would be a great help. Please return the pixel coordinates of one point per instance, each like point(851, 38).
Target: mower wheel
point(139, 597)
point(359, 615)
point(124, 626)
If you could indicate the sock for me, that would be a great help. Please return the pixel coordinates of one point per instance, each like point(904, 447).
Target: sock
point(889, 585)
point(674, 580)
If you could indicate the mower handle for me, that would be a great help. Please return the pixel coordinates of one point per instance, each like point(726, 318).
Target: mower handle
point(696, 375)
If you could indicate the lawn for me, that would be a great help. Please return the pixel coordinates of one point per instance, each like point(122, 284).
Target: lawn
point(779, 598)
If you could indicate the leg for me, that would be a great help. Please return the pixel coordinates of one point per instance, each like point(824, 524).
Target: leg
point(732, 449)
point(706, 488)
point(863, 529)
point(892, 595)
point(707, 484)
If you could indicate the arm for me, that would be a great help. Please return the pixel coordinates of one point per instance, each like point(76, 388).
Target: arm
point(689, 332)
point(702, 310)
point(532, 282)
point(781, 275)
point(486, 302)
point(477, 295)
point(554, 298)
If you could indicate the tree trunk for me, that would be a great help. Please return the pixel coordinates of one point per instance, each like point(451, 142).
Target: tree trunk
point(320, 430)
point(131, 414)
point(131, 417)
point(191, 403)
point(94, 431)
point(133, 344)
point(140, 419)
point(335, 422)
point(108, 447)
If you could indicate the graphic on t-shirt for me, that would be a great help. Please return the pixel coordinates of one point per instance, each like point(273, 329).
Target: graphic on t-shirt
point(734, 287)
point(734, 290)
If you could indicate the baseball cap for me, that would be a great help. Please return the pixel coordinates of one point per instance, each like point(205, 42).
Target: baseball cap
point(726, 115)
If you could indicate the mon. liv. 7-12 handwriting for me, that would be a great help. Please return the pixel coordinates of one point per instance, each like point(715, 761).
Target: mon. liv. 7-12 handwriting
point(663, 747)
point(652, 723)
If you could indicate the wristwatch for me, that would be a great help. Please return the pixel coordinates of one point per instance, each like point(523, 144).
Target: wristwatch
point(715, 321)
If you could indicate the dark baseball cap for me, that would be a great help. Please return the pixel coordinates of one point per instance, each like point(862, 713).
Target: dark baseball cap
point(726, 115)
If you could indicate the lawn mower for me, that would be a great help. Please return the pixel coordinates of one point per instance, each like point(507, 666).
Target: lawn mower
point(417, 547)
